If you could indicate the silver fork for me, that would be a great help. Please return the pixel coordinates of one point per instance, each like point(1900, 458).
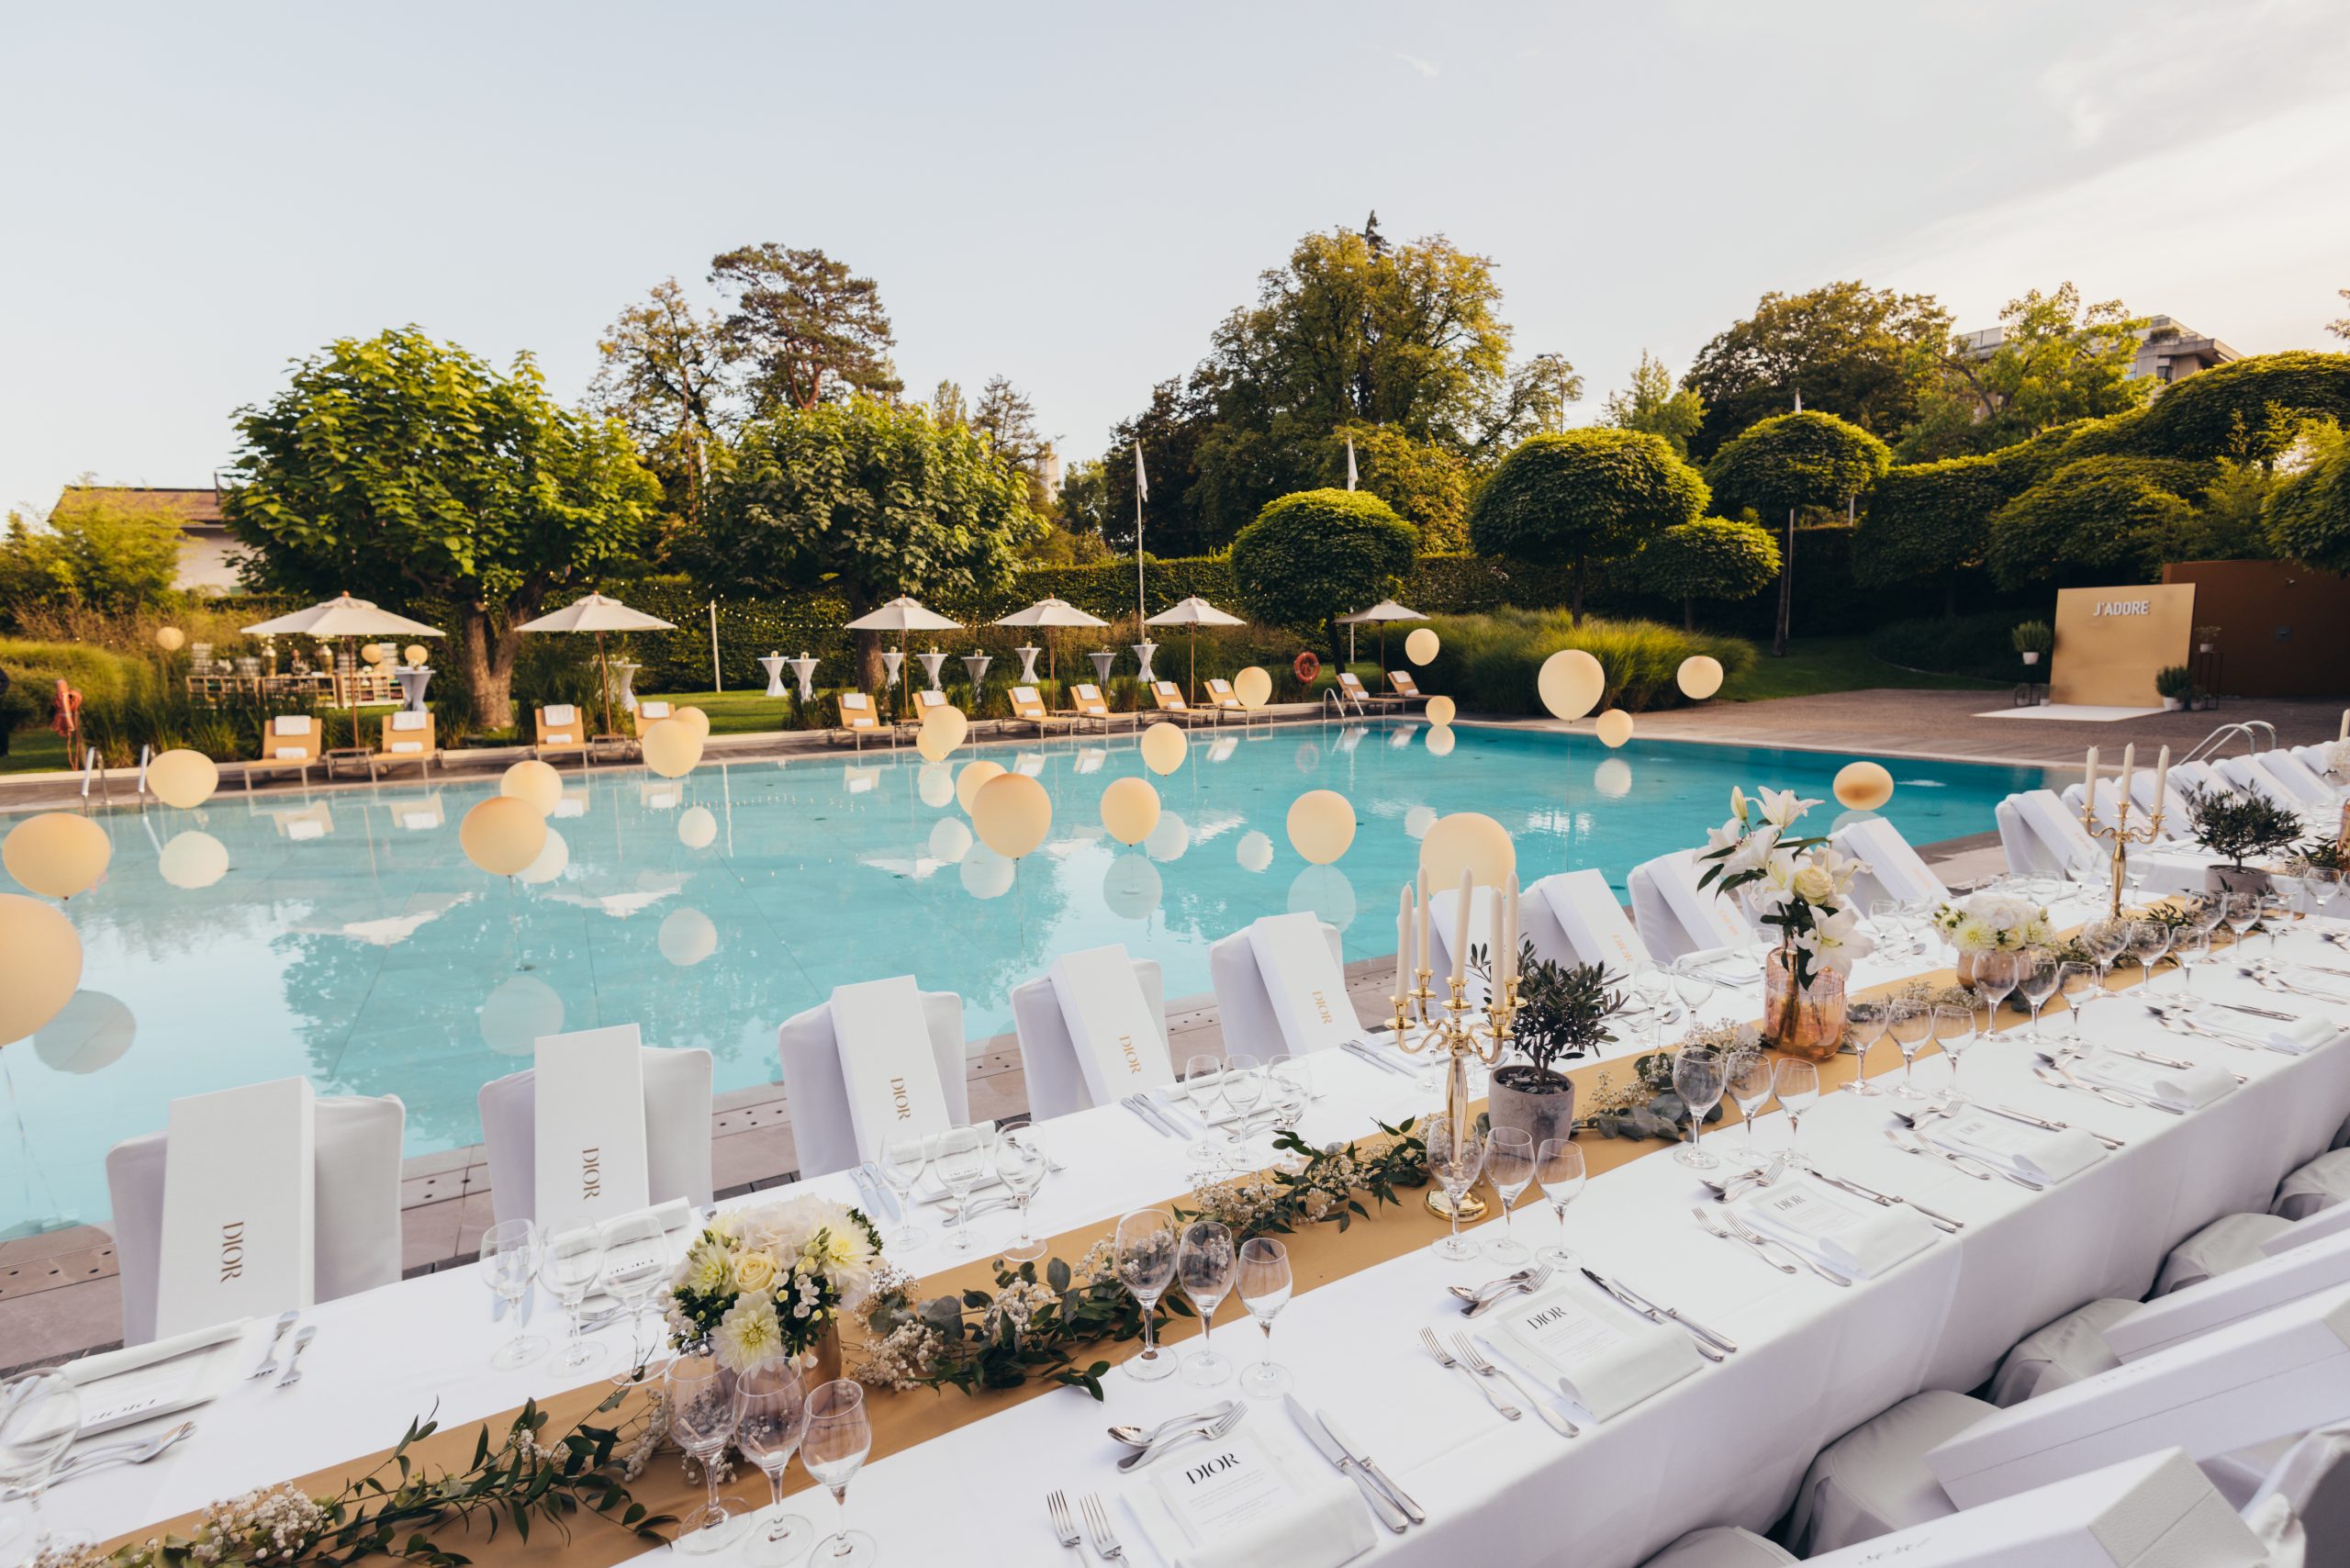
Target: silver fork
point(1097, 1525)
point(1063, 1526)
point(1746, 1232)
point(1436, 1348)
point(1706, 1218)
point(1483, 1368)
point(285, 1320)
point(1209, 1430)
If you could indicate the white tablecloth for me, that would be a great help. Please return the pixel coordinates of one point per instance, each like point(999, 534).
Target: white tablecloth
point(1728, 1445)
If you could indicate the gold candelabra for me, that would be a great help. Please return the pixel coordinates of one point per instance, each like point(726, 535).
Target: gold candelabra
point(1449, 1036)
point(2123, 835)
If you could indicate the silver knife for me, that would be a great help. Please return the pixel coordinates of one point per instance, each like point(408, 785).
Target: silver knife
point(2030, 1120)
point(884, 1193)
point(1135, 1103)
point(1185, 1122)
point(1887, 1199)
point(1395, 1494)
point(1707, 1342)
point(1381, 1504)
point(1157, 1115)
point(864, 1190)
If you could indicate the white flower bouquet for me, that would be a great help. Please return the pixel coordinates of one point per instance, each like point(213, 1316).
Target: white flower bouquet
point(1993, 922)
point(1800, 885)
point(761, 1284)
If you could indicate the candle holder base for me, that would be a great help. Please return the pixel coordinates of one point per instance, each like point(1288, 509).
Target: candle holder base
point(1472, 1207)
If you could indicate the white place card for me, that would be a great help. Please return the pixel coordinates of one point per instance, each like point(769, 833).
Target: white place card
point(1227, 1489)
point(2040, 1154)
point(1851, 1235)
point(2231, 1297)
point(1585, 908)
point(1249, 1501)
point(140, 1382)
point(2187, 1090)
point(1119, 1048)
point(679, 1227)
point(887, 1064)
point(1710, 919)
point(1604, 1358)
point(1302, 978)
point(240, 1205)
point(590, 1157)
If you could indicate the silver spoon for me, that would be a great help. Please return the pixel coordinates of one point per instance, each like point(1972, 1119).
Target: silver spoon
point(1143, 1437)
point(98, 1458)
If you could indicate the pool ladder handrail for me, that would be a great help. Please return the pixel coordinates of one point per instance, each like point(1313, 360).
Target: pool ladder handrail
point(2208, 745)
point(92, 768)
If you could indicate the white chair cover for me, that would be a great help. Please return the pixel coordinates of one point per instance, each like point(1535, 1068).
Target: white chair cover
point(2064, 1351)
point(2313, 1480)
point(677, 1132)
point(1723, 1546)
point(1666, 905)
point(2176, 829)
point(2247, 774)
point(1578, 911)
point(1047, 1049)
point(2055, 842)
point(1896, 869)
point(2231, 1241)
point(1244, 1006)
point(2322, 1183)
point(2297, 779)
point(811, 1074)
point(1874, 1480)
point(356, 1221)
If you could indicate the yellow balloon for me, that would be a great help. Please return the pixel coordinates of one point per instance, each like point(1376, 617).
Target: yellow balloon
point(1321, 826)
point(182, 779)
point(535, 783)
point(697, 828)
point(193, 860)
point(503, 835)
point(1421, 646)
point(1129, 810)
point(1471, 842)
point(57, 854)
point(694, 719)
point(1440, 740)
point(170, 639)
point(1163, 746)
point(1699, 677)
point(1012, 814)
point(1615, 728)
point(687, 937)
point(942, 731)
point(1570, 683)
point(1864, 786)
point(1253, 687)
point(968, 782)
point(40, 963)
point(414, 653)
point(553, 857)
point(672, 747)
point(1442, 709)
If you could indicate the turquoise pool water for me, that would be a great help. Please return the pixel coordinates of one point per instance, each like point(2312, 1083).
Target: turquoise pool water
point(349, 938)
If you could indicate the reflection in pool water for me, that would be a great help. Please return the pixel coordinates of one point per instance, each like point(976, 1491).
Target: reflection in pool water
point(345, 935)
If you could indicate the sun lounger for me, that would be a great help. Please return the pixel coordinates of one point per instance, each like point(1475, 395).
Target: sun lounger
point(857, 720)
point(1225, 702)
point(409, 737)
point(1028, 708)
point(287, 741)
point(1406, 690)
point(559, 727)
point(1089, 708)
point(1170, 698)
point(1351, 689)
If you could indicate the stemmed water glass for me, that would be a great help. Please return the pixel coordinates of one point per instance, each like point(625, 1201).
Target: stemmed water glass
point(1796, 1084)
point(510, 1261)
point(2324, 889)
point(839, 1437)
point(1698, 1076)
point(1146, 1261)
point(2149, 940)
point(2105, 940)
point(2275, 908)
point(1509, 1166)
point(1886, 919)
point(961, 1157)
point(571, 1258)
point(1749, 1086)
point(1866, 1019)
point(1204, 1265)
point(1289, 1085)
point(1456, 1149)
point(2190, 947)
point(2207, 913)
point(636, 1265)
point(1693, 986)
point(1243, 1085)
point(41, 1414)
point(900, 1161)
point(1953, 1032)
point(770, 1417)
point(1913, 1026)
point(1996, 974)
point(2037, 971)
point(1202, 1077)
point(1653, 985)
point(2242, 912)
point(1021, 1163)
point(701, 1420)
point(1265, 1285)
point(2080, 985)
point(1557, 1165)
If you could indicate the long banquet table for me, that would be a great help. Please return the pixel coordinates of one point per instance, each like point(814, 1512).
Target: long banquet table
point(1727, 1445)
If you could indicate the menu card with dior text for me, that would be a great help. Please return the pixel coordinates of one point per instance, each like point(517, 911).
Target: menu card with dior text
point(1587, 910)
point(1708, 917)
point(589, 1160)
point(1603, 1357)
point(1851, 1235)
point(1248, 1501)
point(1119, 1048)
point(239, 1202)
point(887, 1064)
point(1307, 988)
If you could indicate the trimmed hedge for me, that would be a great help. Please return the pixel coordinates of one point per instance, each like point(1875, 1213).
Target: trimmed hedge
point(2096, 517)
point(1314, 555)
point(2308, 514)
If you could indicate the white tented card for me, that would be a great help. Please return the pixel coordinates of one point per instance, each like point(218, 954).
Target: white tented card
point(1223, 1489)
point(589, 1125)
point(1602, 1357)
point(1900, 870)
point(1849, 1235)
point(886, 1061)
point(1708, 917)
point(240, 1197)
point(2231, 1297)
point(1119, 1048)
point(1307, 987)
point(1587, 910)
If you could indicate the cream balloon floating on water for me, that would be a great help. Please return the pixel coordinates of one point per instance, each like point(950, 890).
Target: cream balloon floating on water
point(191, 860)
point(1012, 813)
point(697, 828)
point(1421, 646)
point(1440, 740)
point(671, 748)
point(40, 963)
point(1471, 842)
point(1131, 888)
point(1442, 709)
point(502, 834)
point(1321, 826)
point(936, 784)
point(949, 840)
point(1615, 728)
point(1255, 851)
point(1129, 810)
point(687, 937)
point(1699, 677)
point(182, 779)
point(1613, 779)
point(535, 783)
point(90, 1031)
point(943, 729)
point(1163, 746)
point(1570, 684)
point(971, 781)
point(518, 1013)
point(1864, 786)
point(57, 854)
point(1170, 839)
point(549, 863)
point(985, 874)
point(1253, 687)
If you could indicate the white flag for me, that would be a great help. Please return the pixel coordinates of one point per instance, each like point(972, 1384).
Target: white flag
point(1350, 461)
point(1142, 480)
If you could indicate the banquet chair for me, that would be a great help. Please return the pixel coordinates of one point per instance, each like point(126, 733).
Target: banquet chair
point(2312, 1479)
point(1896, 869)
point(356, 1214)
point(1350, 685)
point(2302, 781)
point(2317, 1186)
point(559, 728)
point(821, 1127)
point(2176, 829)
point(1537, 923)
point(1048, 1058)
point(1721, 1546)
point(2229, 1242)
point(2041, 838)
point(677, 1131)
point(409, 737)
point(1244, 1003)
point(1873, 1479)
point(1666, 899)
point(1602, 934)
point(2251, 778)
point(287, 741)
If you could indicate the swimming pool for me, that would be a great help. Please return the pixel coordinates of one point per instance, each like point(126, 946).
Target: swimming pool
point(349, 938)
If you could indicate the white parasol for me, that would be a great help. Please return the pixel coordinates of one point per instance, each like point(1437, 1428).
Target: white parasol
point(901, 615)
point(1194, 612)
point(349, 619)
point(1385, 610)
point(1049, 613)
point(598, 614)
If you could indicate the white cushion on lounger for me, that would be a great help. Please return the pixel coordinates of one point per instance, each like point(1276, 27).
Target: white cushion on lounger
point(559, 714)
point(654, 710)
point(1723, 1546)
point(2064, 1351)
point(1874, 1480)
point(290, 754)
point(405, 720)
point(290, 724)
point(2231, 1241)
point(2322, 1183)
point(402, 748)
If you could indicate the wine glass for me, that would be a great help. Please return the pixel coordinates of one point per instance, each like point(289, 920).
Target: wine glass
point(510, 1261)
point(1749, 1086)
point(1265, 1285)
point(1953, 1032)
point(571, 1258)
point(1202, 1073)
point(960, 1155)
point(2242, 912)
point(770, 1417)
point(1913, 1026)
point(2324, 889)
point(41, 1414)
point(1886, 918)
point(636, 1265)
point(2105, 939)
point(702, 1421)
point(1509, 1166)
point(1145, 1258)
point(1693, 986)
point(839, 1437)
point(2207, 913)
point(2149, 940)
point(1558, 1164)
point(1021, 1162)
point(2190, 947)
point(1698, 1076)
point(1203, 1263)
point(1866, 1018)
point(2276, 910)
point(1456, 1149)
point(1289, 1085)
point(1796, 1084)
point(1652, 986)
point(902, 1160)
point(1996, 975)
point(2036, 974)
point(2078, 985)
point(1243, 1085)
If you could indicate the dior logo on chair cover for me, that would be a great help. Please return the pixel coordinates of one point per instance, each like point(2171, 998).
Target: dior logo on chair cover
point(588, 1158)
point(887, 1064)
point(1307, 987)
point(239, 1205)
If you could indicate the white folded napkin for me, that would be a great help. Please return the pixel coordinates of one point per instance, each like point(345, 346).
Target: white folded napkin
point(1848, 1234)
point(1250, 1501)
point(929, 1189)
point(2038, 1154)
point(2184, 1091)
point(2301, 1035)
point(1605, 1358)
point(140, 1382)
point(677, 1217)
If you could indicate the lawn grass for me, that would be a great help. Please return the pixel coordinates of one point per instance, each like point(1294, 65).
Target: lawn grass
point(35, 751)
point(1818, 665)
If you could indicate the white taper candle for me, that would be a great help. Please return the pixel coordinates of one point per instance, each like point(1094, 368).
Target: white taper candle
point(1460, 929)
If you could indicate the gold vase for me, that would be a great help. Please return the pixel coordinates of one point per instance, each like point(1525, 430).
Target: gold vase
point(1802, 1020)
point(827, 1351)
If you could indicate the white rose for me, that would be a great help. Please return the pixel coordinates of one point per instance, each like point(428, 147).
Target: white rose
point(1815, 884)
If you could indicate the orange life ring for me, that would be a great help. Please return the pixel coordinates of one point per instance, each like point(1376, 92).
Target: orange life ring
point(66, 716)
point(1305, 667)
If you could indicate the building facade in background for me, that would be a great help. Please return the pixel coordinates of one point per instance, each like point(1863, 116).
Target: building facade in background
point(205, 545)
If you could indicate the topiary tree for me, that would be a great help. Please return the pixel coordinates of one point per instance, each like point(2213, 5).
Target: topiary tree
point(2308, 515)
point(1790, 462)
point(1426, 483)
point(2100, 514)
point(1311, 556)
point(1591, 495)
point(1714, 557)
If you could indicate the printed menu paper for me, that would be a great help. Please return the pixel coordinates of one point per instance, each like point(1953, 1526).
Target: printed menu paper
point(239, 1203)
point(2189, 1089)
point(1851, 1235)
point(589, 1161)
point(1248, 1501)
point(2039, 1154)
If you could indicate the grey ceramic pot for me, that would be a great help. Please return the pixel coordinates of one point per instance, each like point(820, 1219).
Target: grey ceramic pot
point(1543, 1106)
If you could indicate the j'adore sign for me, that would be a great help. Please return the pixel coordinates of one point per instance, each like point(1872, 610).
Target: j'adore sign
point(2110, 642)
point(240, 1173)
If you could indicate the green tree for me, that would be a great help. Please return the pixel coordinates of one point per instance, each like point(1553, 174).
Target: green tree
point(1786, 464)
point(1083, 505)
point(871, 499)
point(1863, 355)
point(1315, 556)
point(2053, 359)
point(1181, 416)
point(807, 327)
point(1591, 495)
point(96, 551)
point(1427, 484)
point(661, 371)
point(2309, 512)
point(1006, 421)
point(398, 467)
point(2095, 518)
point(1714, 557)
point(1653, 404)
point(2341, 328)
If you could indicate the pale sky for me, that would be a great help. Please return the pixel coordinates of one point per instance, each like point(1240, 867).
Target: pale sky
point(1073, 194)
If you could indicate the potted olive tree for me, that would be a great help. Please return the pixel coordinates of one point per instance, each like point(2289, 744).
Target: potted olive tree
point(2240, 827)
point(1563, 1013)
